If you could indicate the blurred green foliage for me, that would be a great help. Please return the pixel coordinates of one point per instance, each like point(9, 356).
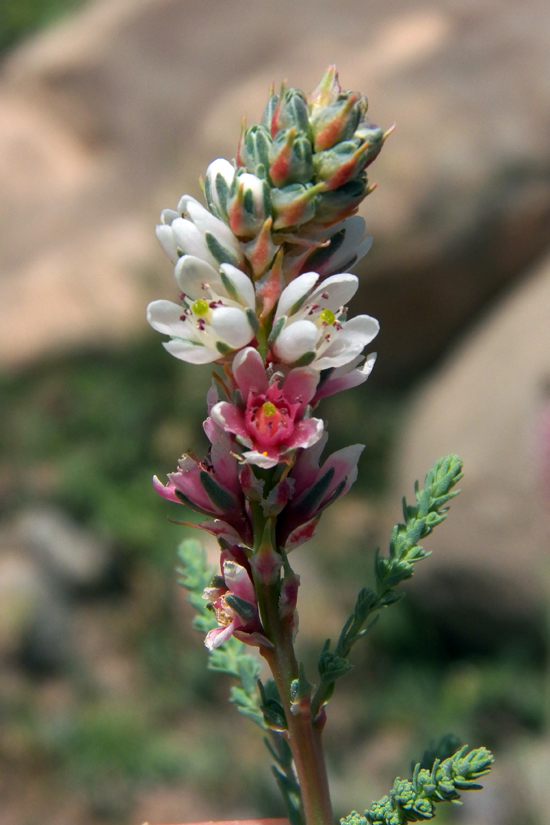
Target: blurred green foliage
point(18, 18)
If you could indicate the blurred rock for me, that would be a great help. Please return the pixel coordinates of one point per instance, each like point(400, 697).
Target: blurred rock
point(34, 614)
point(44, 557)
point(486, 403)
point(21, 593)
point(69, 555)
point(112, 115)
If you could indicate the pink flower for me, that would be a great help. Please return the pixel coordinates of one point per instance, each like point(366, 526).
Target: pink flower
point(211, 487)
point(270, 421)
point(234, 604)
point(314, 489)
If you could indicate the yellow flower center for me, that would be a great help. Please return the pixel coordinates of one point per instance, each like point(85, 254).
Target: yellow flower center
point(269, 409)
point(327, 316)
point(200, 307)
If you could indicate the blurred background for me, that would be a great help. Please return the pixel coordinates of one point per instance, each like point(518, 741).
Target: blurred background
point(109, 111)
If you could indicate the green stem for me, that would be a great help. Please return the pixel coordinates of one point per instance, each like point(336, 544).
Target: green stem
point(303, 732)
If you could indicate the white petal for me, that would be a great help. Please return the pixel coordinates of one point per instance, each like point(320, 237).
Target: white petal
point(349, 342)
point(295, 340)
point(368, 366)
point(346, 368)
point(242, 284)
point(222, 167)
point(355, 230)
point(316, 434)
point(231, 325)
point(184, 202)
point(362, 328)
point(337, 358)
point(164, 316)
point(192, 353)
point(297, 289)
point(166, 239)
point(205, 221)
point(191, 241)
point(169, 215)
point(363, 248)
point(192, 273)
point(259, 459)
point(339, 288)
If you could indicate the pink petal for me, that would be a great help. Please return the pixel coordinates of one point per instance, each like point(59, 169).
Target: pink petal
point(306, 433)
point(299, 387)
point(306, 468)
point(238, 581)
point(189, 484)
point(218, 635)
point(221, 530)
point(344, 463)
point(254, 639)
point(224, 464)
point(167, 491)
point(301, 534)
point(249, 372)
point(229, 417)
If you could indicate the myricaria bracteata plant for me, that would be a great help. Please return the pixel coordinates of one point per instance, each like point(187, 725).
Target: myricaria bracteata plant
point(264, 293)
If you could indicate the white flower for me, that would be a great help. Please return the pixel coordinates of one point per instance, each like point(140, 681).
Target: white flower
point(217, 314)
point(310, 325)
point(199, 233)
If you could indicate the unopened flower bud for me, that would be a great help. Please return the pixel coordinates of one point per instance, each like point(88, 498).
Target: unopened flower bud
point(269, 110)
point(339, 203)
point(337, 121)
point(261, 250)
point(372, 135)
point(291, 158)
point(326, 92)
point(293, 111)
point(249, 205)
point(255, 149)
point(342, 163)
point(218, 180)
point(295, 204)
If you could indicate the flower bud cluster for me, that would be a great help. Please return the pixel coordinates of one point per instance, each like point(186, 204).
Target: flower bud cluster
point(297, 176)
